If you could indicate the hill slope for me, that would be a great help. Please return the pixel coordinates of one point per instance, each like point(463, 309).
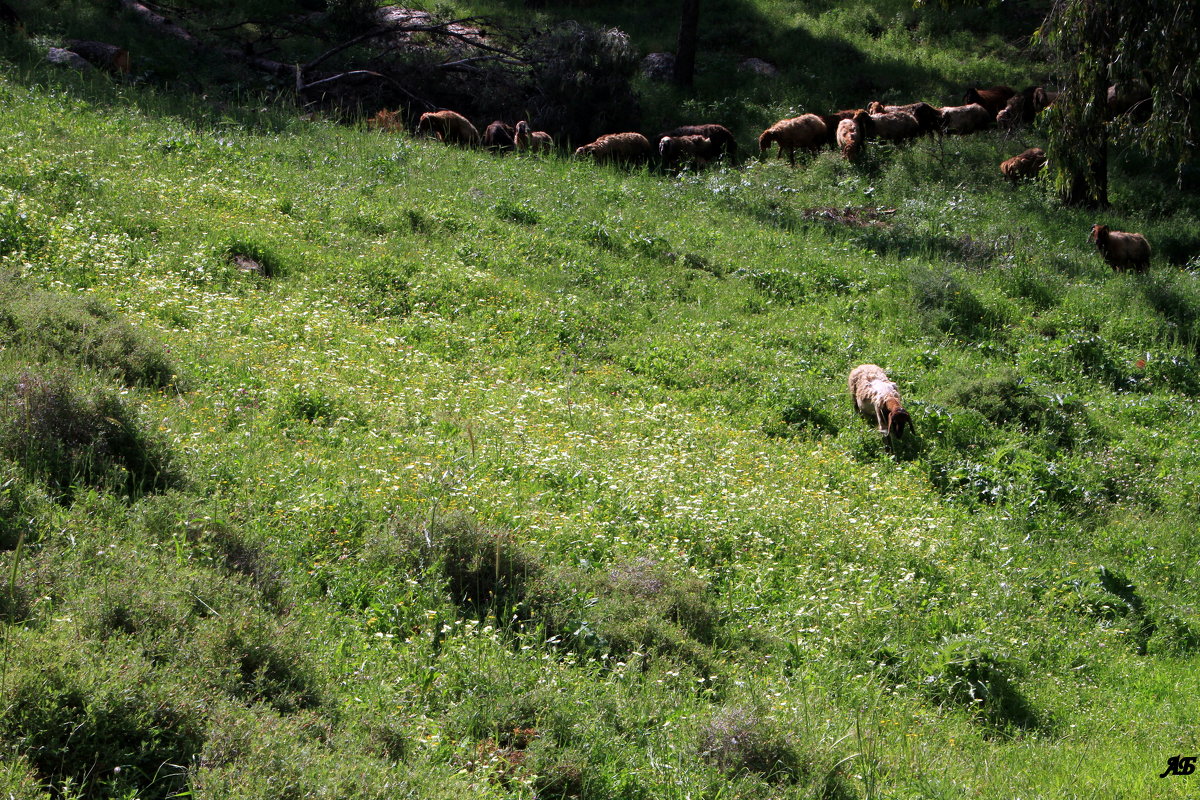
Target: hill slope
point(451, 474)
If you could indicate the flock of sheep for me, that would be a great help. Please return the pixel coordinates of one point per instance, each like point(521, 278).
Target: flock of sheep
point(874, 395)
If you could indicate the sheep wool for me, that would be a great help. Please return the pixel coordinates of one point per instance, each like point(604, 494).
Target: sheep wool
point(807, 131)
point(877, 399)
point(1025, 165)
point(1122, 250)
point(448, 126)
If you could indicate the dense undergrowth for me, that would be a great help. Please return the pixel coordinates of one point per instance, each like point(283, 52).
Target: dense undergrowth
point(337, 464)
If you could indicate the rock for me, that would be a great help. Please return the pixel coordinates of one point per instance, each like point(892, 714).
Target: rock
point(65, 58)
point(759, 67)
point(659, 66)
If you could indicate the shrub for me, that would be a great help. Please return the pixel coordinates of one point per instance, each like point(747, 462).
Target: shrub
point(738, 740)
point(103, 730)
point(47, 326)
point(949, 305)
point(69, 435)
point(964, 673)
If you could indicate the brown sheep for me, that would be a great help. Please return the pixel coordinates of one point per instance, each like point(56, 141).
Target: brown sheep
point(850, 138)
point(623, 147)
point(1025, 165)
point(1025, 107)
point(877, 399)
point(895, 126)
point(449, 127)
point(533, 141)
point(993, 99)
point(499, 137)
point(721, 137)
point(833, 120)
point(965, 119)
point(928, 117)
point(1122, 249)
point(1131, 96)
point(807, 131)
point(696, 149)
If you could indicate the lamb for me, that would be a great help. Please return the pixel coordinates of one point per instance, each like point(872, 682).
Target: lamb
point(499, 137)
point(1122, 249)
point(993, 99)
point(965, 119)
point(627, 147)
point(1025, 165)
point(877, 399)
point(699, 150)
point(850, 139)
point(1025, 107)
point(895, 126)
point(807, 131)
point(719, 135)
point(533, 141)
point(448, 126)
point(928, 117)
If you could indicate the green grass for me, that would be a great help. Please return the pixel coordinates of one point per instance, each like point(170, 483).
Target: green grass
point(515, 477)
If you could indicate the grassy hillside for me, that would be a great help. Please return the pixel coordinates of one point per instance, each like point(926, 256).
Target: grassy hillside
point(336, 464)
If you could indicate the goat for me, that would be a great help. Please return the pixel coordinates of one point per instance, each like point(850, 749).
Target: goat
point(877, 399)
point(1122, 249)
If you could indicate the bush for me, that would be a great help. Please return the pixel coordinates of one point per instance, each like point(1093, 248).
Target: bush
point(950, 306)
point(737, 740)
point(47, 327)
point(102, 730)
point(68, 435)
point(963, 673)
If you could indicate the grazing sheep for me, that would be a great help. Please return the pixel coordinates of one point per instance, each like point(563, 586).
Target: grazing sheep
point(719, 135)
point(1024, 107)
point(928, 117)
point(833, 120)
point(1025, 165)
point(386, 122)
point(533, 141)
point(448, 126)
point(895, 126)
point(993, 99)
point(1122, 249)
point(1129, 96)
point(878, 400)
point(623, 147)
point(696, 149)
point(850, 139)
point(807, 131)
point(499, 137)
point(965, 119)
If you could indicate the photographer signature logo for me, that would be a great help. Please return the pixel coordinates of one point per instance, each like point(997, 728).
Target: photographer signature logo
point(1180, 765)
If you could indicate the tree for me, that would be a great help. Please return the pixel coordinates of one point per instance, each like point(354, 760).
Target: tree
point(685, 45)
point(1096, 44)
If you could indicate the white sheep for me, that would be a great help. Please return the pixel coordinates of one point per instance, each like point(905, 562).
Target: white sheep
point(965, 119)
point(877, 399)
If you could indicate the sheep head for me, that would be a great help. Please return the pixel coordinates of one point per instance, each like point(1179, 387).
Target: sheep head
point(1099, 233)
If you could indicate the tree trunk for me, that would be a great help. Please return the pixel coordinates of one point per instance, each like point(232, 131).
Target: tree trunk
point(1088, 187)
point(685, 47)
